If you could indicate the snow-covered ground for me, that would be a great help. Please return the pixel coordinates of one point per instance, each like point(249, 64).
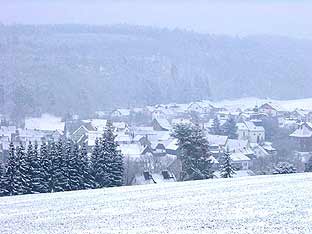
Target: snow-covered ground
point(250, 102)
point(260, 204)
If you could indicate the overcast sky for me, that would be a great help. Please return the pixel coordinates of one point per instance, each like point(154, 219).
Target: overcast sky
point(235, 17)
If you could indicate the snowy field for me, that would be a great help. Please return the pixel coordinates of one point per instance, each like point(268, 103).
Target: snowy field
point(250, 102)
point(262, 204)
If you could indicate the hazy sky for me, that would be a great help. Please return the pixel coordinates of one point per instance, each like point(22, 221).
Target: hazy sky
point(236, 17)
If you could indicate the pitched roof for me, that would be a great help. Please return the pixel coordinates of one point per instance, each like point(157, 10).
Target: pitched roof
point(239, 157)
point(164, 123)
point(216, 139)
point(304, 130)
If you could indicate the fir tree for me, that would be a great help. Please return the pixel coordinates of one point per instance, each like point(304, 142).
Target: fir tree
point(226, 168)
point(86, 180)
point(193, 152)
point(24, 167)
point(308, 166)
point(114, 159)
point(96, 169)
point(73, 166)
point(46, 165)
point(58, 180)
point(10, 183)
point(230, 128)
point(2, 178)
point(37, 174)
point(64, 153)
point(216, 129)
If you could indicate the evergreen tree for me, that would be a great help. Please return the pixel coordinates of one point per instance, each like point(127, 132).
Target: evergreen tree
point(96, 169)
point(216, 129)
point(46, 165)
point(58, 179)
point(308, 166)
point(86, 180)
point(226, 168)
point(2, 182)
point(73, 166)
point(24, 167)
point(230, 128)
point(64, 151)
point(10, 181)
point(114, 158)
point(284, 168)
point(193, 152)
point(37, 174)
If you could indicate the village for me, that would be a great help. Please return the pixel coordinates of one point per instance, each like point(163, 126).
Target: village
point(151, 153)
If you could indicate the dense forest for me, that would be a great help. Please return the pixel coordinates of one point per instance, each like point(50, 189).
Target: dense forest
point(81, 68)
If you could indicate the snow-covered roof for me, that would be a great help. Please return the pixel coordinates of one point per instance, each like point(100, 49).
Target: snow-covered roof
point(98, 124)
point(119, 125)
point(237, 156)
point(180, 121)
point(213, 160)
point(268, 147)
point(164, 123)
point(131, 150)
point(241, 127)
point(45, 122)
point(273, 105)
point(304, 130)
point(252, 127)
point(242, 146)
point(216, 139)
point(173, 145)
point(123, 138)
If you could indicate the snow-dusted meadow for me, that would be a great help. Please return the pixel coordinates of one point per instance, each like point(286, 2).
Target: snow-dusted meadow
point(260, 204)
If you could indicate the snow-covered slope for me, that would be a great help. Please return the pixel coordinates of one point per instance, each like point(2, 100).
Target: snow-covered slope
point(263, 204)
point(250, 102)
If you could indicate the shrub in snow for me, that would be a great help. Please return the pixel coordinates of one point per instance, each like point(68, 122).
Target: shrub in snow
point(284, 168)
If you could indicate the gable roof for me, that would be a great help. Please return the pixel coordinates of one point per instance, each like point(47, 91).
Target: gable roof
point(304, 130)
point(239, 157)
point(217, 139)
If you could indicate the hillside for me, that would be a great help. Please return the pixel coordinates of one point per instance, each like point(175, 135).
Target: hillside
point(80, 68)
point(261, 204)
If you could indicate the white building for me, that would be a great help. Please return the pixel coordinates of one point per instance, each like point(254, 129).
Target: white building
point(247, 130)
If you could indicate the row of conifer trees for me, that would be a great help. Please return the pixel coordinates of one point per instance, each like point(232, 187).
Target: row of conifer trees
point(62, 166)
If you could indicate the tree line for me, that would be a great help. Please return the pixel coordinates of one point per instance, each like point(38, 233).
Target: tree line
point(62, 166)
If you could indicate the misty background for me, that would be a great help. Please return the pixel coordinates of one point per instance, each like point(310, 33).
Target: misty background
point(83, 56)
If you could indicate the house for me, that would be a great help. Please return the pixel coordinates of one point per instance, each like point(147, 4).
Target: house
point(258, 150)
point(120, 126)
point(303, 135)
point(240, 161)
point(172, 147)
point(217, 143)
point(161, 124)
point(120, 113)
point(195, 107)
point(248, 130)
point(82, 131)
point(97, 124)
point(271, 109)
point(239, 146)
point(134, 151)
point(267, 146)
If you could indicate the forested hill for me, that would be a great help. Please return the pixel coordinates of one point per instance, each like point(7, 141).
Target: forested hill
point(76, 68)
